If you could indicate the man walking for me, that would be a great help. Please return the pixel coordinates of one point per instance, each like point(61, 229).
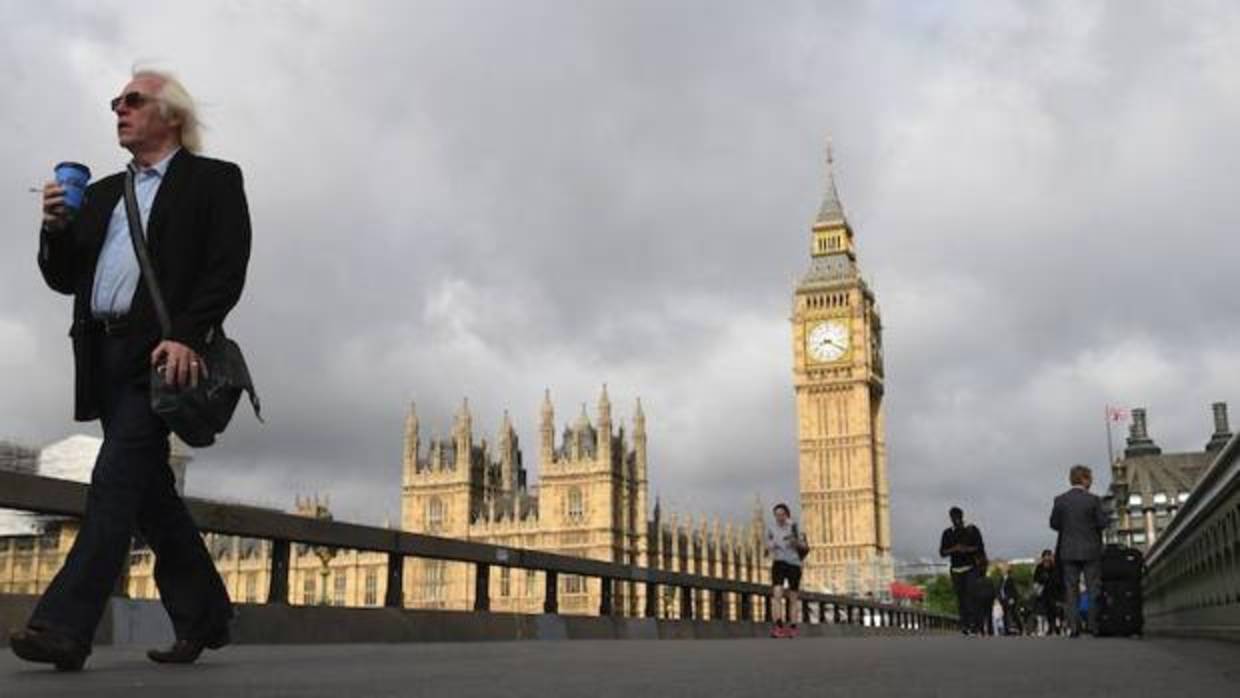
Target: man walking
point(1079, 518)
point(198, 231)
point(963, 544)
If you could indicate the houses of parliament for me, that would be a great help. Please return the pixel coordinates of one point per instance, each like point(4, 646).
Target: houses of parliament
point(592, 497)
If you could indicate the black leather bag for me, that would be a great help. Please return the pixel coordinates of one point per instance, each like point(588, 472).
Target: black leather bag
point(199, 413)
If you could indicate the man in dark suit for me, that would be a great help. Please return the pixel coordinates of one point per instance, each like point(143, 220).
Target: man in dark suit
point(198, 230)
point(1079, 518)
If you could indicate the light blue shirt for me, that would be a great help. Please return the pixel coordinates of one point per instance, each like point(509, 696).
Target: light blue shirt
point(117, 271)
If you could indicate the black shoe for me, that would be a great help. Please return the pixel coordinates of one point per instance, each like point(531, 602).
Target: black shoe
point(49, 647)
point(187, 651)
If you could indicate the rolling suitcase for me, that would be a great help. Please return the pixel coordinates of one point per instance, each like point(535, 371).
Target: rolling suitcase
point(1122, 564)
point(1119, 603)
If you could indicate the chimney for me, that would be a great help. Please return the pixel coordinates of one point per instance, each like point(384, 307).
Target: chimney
point(1222, 431)
point(1139, 441)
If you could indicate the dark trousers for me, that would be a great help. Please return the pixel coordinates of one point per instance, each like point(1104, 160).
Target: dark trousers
point(965, 586)
point(1013, 624)
point(1072, 571)
point(133, 488)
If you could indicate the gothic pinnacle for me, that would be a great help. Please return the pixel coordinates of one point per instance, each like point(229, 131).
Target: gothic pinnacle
point(831, 212)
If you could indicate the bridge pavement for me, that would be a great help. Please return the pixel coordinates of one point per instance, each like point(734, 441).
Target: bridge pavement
point(952, 667)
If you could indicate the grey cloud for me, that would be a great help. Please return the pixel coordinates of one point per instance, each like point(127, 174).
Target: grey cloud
point(487, 199)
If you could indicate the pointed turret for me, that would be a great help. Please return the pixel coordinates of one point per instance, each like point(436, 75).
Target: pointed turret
point(411, 445)
point(758, 521)
point(604, 405)
point(584, 436)
point(508, 454)
point(463, 436)
point(604, 426)
point(641, 464)
point(546, 431)
point(639, 444)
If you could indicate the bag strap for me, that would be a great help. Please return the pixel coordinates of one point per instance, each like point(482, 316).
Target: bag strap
point(138, 238)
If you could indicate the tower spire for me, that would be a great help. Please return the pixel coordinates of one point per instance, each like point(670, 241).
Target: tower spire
point(832, 251)
point(831, 212)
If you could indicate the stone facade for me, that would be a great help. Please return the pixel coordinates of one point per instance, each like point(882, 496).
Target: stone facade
point(317, 575)
point(591, 501)
point(1148, 486)
point(839, 383)
point(33, 547)
point(28, 561)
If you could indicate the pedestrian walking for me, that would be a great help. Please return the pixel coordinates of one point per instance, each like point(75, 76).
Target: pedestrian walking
point(787, 546)
point(1008, 596)
point(963, 544)
point(1079, 518)
point(1046, 581)
point(197, 233)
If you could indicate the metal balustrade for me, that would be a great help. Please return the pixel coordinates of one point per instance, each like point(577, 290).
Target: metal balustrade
point(1192, 582)
point(61, 497)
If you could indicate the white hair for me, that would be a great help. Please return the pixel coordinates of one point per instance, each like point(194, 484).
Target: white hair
point(175, 100)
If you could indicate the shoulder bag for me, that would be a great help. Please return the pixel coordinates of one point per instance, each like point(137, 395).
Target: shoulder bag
point(195, 414)
point(799, 543)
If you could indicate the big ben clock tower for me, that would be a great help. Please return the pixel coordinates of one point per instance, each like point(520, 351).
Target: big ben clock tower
point(838, 376)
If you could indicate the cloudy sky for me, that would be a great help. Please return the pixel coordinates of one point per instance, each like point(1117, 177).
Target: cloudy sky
point(487, 199)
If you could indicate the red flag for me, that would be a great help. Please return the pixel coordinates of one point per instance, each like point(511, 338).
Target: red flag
point(1116, 414)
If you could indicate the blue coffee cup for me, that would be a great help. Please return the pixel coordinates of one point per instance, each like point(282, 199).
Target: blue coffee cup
point(73, 177)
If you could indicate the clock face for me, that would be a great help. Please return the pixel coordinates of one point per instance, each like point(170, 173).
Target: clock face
point(828, 341)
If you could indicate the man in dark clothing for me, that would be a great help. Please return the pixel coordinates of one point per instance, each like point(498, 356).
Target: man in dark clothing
point(963, 544)
point(198, 232)
point(1079, 518)
point(982, 591)
point(1009, 598)
point(1047, 583)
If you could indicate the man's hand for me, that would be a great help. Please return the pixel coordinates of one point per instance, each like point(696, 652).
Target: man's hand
point(180, 365)
point(55, 214)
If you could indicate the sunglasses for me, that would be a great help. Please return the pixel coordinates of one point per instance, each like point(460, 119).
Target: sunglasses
point(132, 100)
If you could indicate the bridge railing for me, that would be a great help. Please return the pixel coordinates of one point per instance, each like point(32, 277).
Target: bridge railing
point(1192, 585)
point(61, 497)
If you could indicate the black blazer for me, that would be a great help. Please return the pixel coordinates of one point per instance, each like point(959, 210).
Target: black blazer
point(1007, 590)
point(199, 238)
point(1080, 520)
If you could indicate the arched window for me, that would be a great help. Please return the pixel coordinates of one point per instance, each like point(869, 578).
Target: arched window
point(434, 515)
point(576, 504)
